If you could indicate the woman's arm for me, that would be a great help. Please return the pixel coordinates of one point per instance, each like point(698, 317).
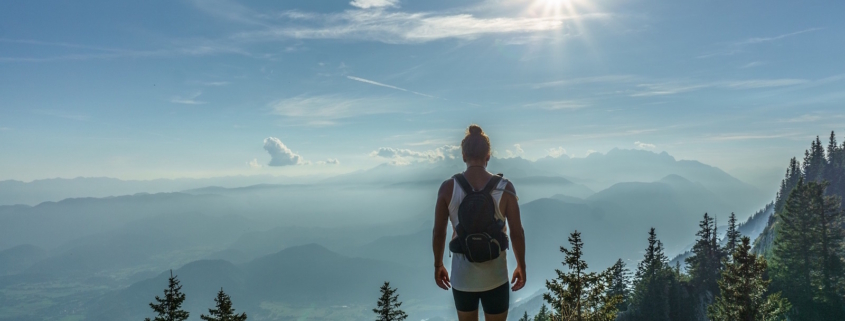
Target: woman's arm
point(517, 235)
point(438, 239)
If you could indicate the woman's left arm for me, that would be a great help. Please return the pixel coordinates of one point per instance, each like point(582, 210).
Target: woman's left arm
point(517, 235)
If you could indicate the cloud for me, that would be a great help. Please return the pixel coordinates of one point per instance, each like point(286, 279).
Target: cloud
point(518, 151)
point(676, 87)
point(402, 27)
point(556, 152)
point(3, 129)
point(191, 100)
point(253, 164)
point(585, 80)
point(591, 152)
point(327, 110)
point(400, 156)
point(330, 161)
point(752, 64)
point(557, 105)
point(644, 145)
point(757, 40)
point(387, 86)
point(281, 155)
point(366, 4)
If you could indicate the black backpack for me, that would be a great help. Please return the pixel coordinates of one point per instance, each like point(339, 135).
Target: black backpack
point(480, 237)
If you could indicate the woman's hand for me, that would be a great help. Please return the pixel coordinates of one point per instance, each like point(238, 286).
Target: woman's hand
point(518, 279)
point(441, 276)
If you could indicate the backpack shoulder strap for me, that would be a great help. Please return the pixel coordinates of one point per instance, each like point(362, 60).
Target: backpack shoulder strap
point(491, 185)
point(462, 181)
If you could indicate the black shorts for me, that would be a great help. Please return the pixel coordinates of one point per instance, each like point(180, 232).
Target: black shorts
point(493, 301)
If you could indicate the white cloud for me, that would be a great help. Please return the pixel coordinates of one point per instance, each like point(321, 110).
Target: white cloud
point(778, 37)
point(330, 161)
point(676, 87)
point(253, 164)
point(585, 80)
point(281, 155)
point(366, 4)
point(644, 145)
point(403, 27)
point(326, 110)
point(556, 152)
point(557, 105)
point(591, 152)
point(400, 156)
point(752, 64)
point(367, 81)
point(190, 100)
point(518, 151)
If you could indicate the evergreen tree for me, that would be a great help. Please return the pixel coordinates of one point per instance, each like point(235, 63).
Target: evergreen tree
point(705, 264)
point(652, 281)
point(733, 236)
point(793, 260)
point(525, 317)
point(577, 294)
point(169, 308)
point(544, 314)
point(790, 180)
point(619, 284)
point(829, 231)
point(388, 305)
point(223, 310)
point(744, 290)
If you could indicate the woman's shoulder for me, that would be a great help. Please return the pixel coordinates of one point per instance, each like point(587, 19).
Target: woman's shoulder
point(446, 188)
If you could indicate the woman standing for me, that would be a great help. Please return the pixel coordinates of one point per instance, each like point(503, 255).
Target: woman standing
point(485, 279)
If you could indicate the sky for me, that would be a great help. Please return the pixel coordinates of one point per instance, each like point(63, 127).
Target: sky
point(189, 88)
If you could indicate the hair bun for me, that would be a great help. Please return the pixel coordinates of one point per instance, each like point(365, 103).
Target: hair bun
point(475, 130)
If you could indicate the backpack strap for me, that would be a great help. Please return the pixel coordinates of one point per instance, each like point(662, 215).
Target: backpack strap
point(462, 181)
point(492, 184)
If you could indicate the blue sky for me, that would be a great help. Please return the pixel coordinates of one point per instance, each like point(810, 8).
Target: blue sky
point(178, 88)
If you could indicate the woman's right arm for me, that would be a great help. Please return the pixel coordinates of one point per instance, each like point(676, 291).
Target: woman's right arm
point(438, 239)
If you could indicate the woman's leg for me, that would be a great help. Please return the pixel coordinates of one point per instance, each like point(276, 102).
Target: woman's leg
point(469, 316)
point(496, 303)
point(496, 317)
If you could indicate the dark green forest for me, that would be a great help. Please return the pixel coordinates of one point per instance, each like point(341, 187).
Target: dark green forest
point(795, 269)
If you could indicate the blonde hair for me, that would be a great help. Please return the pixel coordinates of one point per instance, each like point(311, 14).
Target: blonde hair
point(476, 144)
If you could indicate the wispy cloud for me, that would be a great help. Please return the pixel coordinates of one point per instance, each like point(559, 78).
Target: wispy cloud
point(190, 100)
point(644, 145)
point(4, 129)
point(318, 111)
point(748, 136)
point(63, 114)
point(757, 40)
point(585, 80)
point(676, 87)
point(557, 105)
point(202, 48)
point(367, 81)
point(403, 27)
point(366, 4)
point(752, 64)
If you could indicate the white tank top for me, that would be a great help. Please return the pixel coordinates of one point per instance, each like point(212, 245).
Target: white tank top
point(477, 277)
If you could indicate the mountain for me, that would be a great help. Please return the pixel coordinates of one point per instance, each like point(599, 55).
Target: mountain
point(56, 189)
point(18, 258)
point(283, 285)
point(599, 171)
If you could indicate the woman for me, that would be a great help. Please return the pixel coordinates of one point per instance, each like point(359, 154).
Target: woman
point(486, 281)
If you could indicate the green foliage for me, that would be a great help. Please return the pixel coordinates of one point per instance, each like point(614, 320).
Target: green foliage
point(525, 316)
point(733, 237)
point(705, 264)
point(807, 263)
point(223, 310)
point(169, 308)
point(619, 284)
point(744, 289)
point(388, 305)
point(544, 314)
point(659, 292)
point(578, 294)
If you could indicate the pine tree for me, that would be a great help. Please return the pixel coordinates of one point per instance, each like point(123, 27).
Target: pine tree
point(525, 317)
point(577, 294)
point(652, 281)
point(744, 290)
point(704, 265)
point(388, 305)
point(223, 310)
point(829, 231)
point(544, 314)
point(619, 285)
point(733, 236)
point(169, 308)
